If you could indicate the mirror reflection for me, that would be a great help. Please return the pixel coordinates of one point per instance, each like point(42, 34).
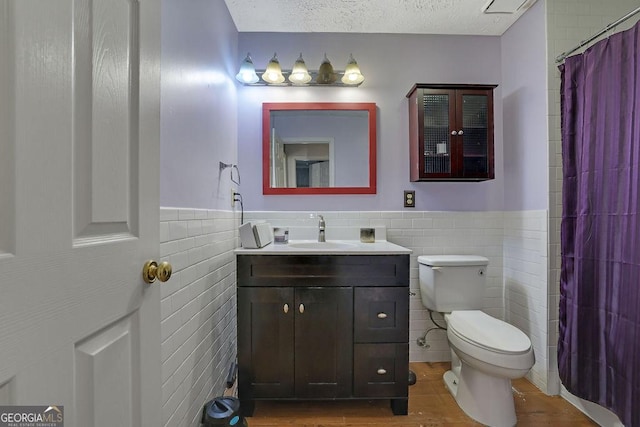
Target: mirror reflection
point(320, 148)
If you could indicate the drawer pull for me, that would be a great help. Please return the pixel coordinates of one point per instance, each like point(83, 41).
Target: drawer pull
point(301, 308)
point(285, 308)
point(382, 371)
point(382, 315)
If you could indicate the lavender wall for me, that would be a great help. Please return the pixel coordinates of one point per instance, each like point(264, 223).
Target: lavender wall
point(391, 64)
point(525, 128)
point(198, 108)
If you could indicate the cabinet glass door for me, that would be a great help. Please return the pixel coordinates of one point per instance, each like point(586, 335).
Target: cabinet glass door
point(475, 156)
point(437, 142)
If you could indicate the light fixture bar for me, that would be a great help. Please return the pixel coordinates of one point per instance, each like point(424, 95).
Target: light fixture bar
point(326, 76)
point(314, 75)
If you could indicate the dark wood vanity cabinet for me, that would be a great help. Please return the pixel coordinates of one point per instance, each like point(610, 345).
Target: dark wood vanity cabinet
point(323, 327)
point(298, 343)
point(451, 132)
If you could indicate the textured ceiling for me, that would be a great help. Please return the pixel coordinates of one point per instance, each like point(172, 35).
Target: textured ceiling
point(374, 16)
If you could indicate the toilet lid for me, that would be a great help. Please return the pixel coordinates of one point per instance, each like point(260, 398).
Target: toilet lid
point(452, 260)
point(487, 332)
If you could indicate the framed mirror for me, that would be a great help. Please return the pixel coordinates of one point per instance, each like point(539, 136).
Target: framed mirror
point(319, 148)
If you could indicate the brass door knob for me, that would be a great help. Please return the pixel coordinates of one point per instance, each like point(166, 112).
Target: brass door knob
point(152, 271)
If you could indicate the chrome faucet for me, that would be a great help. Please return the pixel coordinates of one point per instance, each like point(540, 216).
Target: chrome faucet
point(321, 225)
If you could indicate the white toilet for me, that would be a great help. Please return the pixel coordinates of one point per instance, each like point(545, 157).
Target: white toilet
point(486, 353)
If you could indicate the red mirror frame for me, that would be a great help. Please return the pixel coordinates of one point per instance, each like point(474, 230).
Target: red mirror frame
point(267, 108)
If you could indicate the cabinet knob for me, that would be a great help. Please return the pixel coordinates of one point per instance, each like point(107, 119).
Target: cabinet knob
point(285, 308)
point(301, 308)
point(454, 133)
point(382, 315)
point(460, 132)
point(382, 371)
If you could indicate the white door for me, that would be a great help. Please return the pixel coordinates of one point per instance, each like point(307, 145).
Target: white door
point(279, 163)
point(79, 157)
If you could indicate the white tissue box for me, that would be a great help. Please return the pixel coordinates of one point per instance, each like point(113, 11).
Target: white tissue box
point(254, 236)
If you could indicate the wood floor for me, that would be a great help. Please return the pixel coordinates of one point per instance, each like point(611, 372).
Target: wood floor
point(430, 405)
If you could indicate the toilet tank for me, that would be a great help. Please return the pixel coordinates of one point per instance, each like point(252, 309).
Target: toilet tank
point(452, 282)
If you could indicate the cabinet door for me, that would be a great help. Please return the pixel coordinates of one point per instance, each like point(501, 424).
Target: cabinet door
point(474, 126)
point(381, 314)
point(382, 370)
point(265, 342)
point(436, 110)
point(323, 342)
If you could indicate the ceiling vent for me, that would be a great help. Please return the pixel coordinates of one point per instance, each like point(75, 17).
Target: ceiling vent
point(505, 6)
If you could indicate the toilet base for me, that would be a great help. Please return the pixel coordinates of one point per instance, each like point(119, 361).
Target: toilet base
point(486, 399)
point(451, 381)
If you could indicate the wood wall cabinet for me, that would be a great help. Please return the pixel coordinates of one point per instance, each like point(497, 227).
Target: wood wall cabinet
point(451, 132)
point(323, 327)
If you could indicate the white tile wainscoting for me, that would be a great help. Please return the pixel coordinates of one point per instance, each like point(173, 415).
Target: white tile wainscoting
point(199, 306)
point(514, 242)
point(198, 309)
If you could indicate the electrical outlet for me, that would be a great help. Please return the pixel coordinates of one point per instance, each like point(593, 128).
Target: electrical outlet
point(233, 198)
point(409, 199)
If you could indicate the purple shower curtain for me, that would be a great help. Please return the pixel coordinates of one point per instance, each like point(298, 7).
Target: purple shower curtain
point(599, 342)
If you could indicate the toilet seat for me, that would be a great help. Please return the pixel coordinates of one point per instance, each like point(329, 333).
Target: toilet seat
point(489, 340)
point(487, 332)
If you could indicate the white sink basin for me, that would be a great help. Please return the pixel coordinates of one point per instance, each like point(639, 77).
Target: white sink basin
point(328, 246)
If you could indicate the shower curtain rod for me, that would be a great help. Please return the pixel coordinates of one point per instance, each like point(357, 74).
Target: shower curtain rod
point(583, 43)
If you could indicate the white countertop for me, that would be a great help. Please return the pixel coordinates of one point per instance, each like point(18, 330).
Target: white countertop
point(332, 247)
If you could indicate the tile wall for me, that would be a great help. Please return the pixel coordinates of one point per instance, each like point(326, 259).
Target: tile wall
point(525, 284)
point(514, 242)
point(198, 310)
point(426, 233)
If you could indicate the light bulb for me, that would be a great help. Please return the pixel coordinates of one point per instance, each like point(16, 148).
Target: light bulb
point(273, 73)
point(247, 73)
point(352, 74)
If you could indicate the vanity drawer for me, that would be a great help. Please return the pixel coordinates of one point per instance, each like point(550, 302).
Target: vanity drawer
point(381, 314)
point(323, 270)
point(381, 370)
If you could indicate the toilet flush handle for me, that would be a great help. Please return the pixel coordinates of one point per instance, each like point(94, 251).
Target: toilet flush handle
point(436, 268)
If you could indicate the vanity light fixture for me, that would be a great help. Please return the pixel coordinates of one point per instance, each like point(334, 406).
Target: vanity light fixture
point(273, 73)
point(299, 75)
point(352, 74)
point(325, 73)
point(247, 73)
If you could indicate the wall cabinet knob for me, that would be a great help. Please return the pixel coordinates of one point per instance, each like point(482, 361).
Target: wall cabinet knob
point(382, 315)
point(454, 133)
point(285, 308)
point(460, 132)
point(382, 371)
point(301, 308)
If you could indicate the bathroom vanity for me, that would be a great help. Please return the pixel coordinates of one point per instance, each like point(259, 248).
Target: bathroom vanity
point(323, 321)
